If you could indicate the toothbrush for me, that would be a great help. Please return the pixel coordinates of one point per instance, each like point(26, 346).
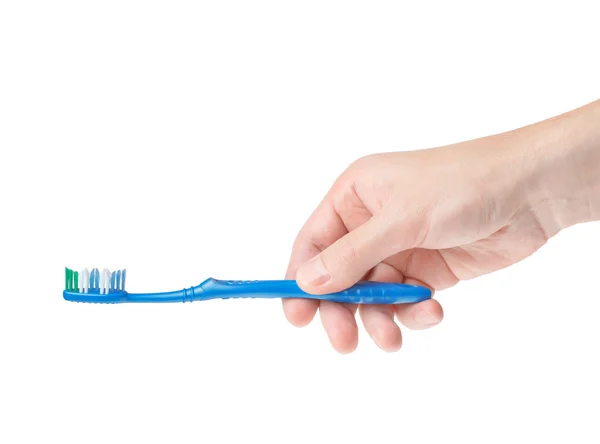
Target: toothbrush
point(109, 288)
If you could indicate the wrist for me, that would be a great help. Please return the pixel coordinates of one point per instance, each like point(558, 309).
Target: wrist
point(561, 157)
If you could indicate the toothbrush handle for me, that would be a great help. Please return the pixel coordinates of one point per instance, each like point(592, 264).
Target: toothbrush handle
point(364, 292)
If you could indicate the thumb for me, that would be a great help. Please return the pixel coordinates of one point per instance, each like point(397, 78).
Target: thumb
point(347, 260)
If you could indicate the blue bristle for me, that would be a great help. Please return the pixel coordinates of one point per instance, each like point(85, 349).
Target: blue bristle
point(123, 280)
point(113, 277)
point(94, 279)
point(119, 280)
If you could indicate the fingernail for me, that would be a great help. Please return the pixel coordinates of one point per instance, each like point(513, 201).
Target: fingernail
point(425, 318)
point(313, 273)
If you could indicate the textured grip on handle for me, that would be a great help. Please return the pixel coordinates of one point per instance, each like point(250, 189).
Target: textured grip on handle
point(364, 292)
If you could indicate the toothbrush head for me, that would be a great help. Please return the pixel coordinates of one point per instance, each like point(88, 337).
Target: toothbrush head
point(95, 286)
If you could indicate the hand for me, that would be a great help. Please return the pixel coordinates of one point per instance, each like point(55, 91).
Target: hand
point(434, 217)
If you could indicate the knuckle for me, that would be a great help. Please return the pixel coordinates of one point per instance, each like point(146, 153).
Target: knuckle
point(346, 254)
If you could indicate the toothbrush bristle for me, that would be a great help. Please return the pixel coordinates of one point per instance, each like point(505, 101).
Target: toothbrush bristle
point(68, 281)
point(98, 282)
point(85, 283)
point(95, 279)
point(106, 280)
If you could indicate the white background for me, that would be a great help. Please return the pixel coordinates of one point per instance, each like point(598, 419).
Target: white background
point(184, 140)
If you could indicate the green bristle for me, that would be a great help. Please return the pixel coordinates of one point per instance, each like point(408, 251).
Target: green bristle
point(76, 276)
point(69, 279)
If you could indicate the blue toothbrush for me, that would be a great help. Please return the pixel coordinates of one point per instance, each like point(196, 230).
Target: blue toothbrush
point(109, 288)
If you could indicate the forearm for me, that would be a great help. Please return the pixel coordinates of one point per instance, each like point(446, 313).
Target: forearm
point(562, 157)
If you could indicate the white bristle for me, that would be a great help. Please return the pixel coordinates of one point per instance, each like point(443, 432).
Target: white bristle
point(106, 280)
point(103, 281)
point(85, 280)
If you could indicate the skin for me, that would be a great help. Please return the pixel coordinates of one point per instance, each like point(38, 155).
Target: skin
point(437, 216)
